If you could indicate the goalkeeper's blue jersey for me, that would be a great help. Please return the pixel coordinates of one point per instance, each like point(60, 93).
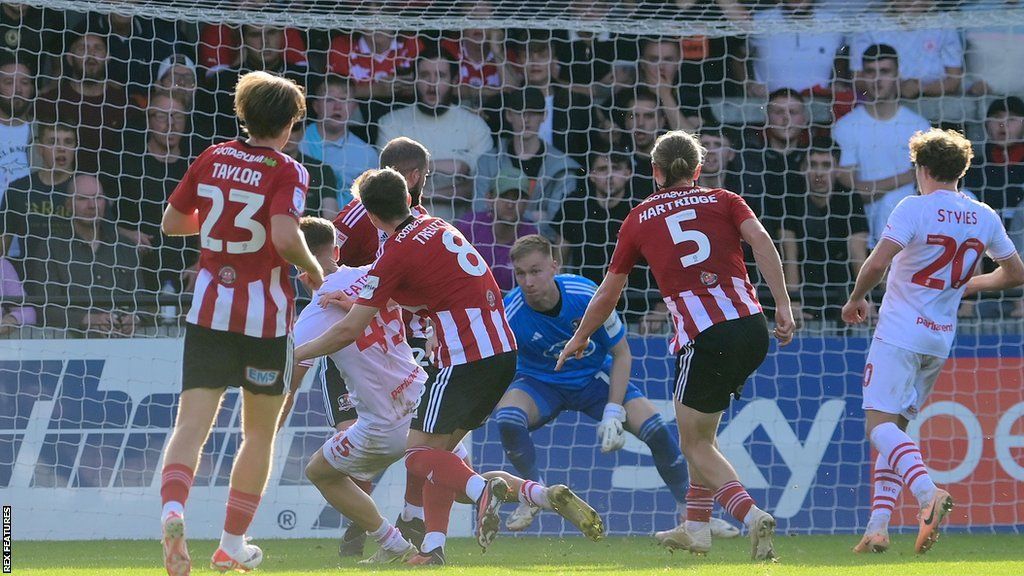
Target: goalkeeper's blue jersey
point(541, 337)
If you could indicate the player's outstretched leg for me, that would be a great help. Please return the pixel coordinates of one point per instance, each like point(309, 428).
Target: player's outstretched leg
point(905, 459)
point(353, 540)
point(248, 478)
point(558, 498)
point(885, 494)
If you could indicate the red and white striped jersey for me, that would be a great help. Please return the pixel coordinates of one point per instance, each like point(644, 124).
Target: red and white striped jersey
point(430, 268)
point(243, 284)
point(691, 239)
point(361, 243)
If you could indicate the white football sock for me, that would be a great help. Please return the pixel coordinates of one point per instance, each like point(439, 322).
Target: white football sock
point(475, 487)
point(433, 541)
point(170, 508)
point(905, 459)
point(233, 544)
point(410, 512)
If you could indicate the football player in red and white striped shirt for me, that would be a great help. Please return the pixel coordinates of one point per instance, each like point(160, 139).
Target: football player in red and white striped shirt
point(244, 199)
point(691, 237)
point(428, 266)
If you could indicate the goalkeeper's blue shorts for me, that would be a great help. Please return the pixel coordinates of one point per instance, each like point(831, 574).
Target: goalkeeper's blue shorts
point(551, 400)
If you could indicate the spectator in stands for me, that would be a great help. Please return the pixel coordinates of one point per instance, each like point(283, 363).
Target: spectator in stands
point(831, 232)
point(638, 123)
point(86, 98)
point(30, 33)
point(659, 72)
point(263, 48)
point(873, 139)
point(770, 166)
point(331, 139)
point(152, 167)
point(993, 53)
point(177, 74)
point(456, 137)
point(221, 46)
point(90, 276)
point(931, 60)
point(587, 61)
point(568, 117)
point(718, 170)
point(33, 207)
point(380, 64)
point(492, 231)
point(322, 196)
point(17, 91)
point(551, 175)
point(591, 217)
point(136, 45)
point(802, 61)
point(12, 315)
point(996, 175)
point(481, 57)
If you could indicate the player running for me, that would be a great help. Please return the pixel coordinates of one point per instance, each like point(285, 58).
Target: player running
point(360, 241)
point(934, 242)
point(691, 237)
point(543, 312)
point(385, 384)
point(244, 199)
point(428, 266)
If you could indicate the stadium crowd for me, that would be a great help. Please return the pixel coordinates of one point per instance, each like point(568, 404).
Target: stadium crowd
point(529, 131)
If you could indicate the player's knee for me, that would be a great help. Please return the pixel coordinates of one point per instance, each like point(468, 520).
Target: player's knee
point(512, 422)
point(318, 470)
point(655, 432)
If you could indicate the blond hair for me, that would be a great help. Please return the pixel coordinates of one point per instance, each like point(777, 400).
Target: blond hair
point(531, 243)
point(267, 104)
point(677, 154)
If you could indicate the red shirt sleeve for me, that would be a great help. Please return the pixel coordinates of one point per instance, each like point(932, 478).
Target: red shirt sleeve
point(337, 59)
point(289, 193)
point(381, 281)
point(218, 46)
point(739, 210)
point(627, 250)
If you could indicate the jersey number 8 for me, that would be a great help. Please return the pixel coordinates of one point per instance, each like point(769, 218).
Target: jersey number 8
point(463, 249)
point(251, 203)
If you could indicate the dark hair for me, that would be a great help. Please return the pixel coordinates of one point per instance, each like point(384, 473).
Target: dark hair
point(614, 155)
point(319, 233)
point(531, 243)
point(624, 100)
point(332, 80)
point(877, 52)
point(945, 154)
point(1011, 105)
point(433, 53)
point(786, 93)
point(823, 145)
point(9, 57)
point(268, 104)
point(405, 155)
point(383, 193)
point(78, 33)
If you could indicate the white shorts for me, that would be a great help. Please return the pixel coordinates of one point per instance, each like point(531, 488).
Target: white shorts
point(897, 380)
point(363, 452)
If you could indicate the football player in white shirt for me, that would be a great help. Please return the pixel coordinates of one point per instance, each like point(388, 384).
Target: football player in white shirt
point(384, 383)
point(934, 242)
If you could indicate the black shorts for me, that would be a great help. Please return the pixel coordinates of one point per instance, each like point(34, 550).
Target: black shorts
point(713, 367)
point(218, 359)
point(462, 397)
point(339, 407)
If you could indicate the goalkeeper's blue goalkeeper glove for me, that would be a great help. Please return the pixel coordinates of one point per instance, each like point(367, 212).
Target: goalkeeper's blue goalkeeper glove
point(610, 430)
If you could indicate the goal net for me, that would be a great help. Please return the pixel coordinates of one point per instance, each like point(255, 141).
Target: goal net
point(540, 117)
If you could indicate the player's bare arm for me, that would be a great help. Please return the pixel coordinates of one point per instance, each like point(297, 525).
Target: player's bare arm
point(856, 309)
point(871, 190)
point(338, 336)
point(298, 373)
point(1010, 274)
point(176, 223)
point(600, 307)
point(291, 245)
point(770, 264)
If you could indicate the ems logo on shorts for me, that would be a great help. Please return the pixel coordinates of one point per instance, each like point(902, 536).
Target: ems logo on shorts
point(369, 287)
point(708, 278)
point(227, 275)
point(261, 377)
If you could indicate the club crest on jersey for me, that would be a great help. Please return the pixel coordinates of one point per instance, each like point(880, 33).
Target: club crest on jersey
point(491, 299)
point(369, 287)
point(227, 275)
point(299, 201)
point(345, 404)
point(261, 377)
point(708, 278)
point(342, 237)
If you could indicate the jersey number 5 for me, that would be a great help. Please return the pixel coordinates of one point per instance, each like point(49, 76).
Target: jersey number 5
point(680, 235)
point(251, 203)
point(961, 273)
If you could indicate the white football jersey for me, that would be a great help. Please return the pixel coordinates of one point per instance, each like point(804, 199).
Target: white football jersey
point(383, 379)
point(943, 235)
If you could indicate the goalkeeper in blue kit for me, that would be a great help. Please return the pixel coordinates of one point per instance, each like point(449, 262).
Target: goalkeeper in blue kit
point(543, 312)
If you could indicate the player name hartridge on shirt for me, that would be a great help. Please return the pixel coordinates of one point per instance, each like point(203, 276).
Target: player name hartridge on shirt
point(688, 200)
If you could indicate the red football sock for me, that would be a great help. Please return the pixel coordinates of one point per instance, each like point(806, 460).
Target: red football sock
point(734, 498)
point(442, 467)
point(241, 508)
point(437, 507)
point(414, 489)
point(699, 501)
point(175, 482)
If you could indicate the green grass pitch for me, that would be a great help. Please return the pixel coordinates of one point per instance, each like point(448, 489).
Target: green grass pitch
point(954, 555)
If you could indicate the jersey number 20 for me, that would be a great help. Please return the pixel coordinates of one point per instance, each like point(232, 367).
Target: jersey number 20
point(960, 273)
point(251, 203)
point(680, 235)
